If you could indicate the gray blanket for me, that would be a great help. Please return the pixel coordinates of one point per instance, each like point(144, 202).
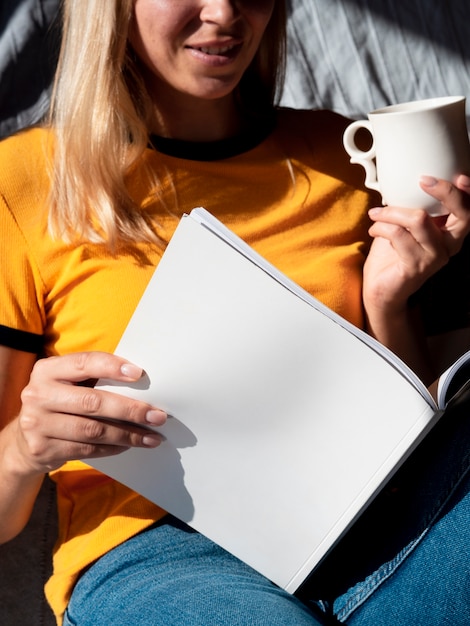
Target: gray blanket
point(353, 56)
point(29, 38)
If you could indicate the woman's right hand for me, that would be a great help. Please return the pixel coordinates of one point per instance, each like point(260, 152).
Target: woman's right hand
point(62, 419)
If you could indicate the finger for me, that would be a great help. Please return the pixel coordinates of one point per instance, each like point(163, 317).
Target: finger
point(463, 183)
point(71, 437)
point(82, 366)
point(455, 199)
point(457, 225)
point(406, 227)
point(412, 257)
point(97, 432)
point(410, 219)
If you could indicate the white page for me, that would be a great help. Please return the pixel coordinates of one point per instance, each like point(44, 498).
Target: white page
point(284, 424)
point(209, 221)
point(447, 378)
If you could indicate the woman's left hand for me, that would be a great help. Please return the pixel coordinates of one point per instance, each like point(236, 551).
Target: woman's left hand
point(410, 246)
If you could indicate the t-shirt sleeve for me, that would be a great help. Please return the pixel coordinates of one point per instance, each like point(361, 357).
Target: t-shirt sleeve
point(21, 290)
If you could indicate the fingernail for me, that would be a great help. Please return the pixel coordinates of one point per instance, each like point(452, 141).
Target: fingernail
point(131, 371)
point(151, 441)
point(464, 180)
point(428, 181)
point(156, 417)
point(375, 211)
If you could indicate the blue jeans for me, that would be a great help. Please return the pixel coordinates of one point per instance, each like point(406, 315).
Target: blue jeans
point(405, 563)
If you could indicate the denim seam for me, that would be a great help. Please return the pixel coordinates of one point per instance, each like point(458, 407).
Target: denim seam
point(387, 570)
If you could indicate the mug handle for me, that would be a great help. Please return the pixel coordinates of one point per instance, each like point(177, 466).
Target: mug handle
point(362, 157)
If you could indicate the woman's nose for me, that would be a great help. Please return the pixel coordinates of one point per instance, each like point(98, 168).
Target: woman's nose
point(219, 11)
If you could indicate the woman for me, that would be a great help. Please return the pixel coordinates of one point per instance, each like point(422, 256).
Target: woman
point(160, 106)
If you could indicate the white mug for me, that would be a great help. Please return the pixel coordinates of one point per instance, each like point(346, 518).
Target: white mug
point(410, 140)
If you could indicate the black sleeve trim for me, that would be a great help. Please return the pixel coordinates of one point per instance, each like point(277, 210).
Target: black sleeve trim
point(20, 340)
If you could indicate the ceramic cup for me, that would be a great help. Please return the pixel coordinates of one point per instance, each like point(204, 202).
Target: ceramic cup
point(409, 140)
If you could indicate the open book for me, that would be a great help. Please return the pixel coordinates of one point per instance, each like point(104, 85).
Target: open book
point(285, 419)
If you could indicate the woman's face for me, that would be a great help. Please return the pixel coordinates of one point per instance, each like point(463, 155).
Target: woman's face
point(199, 48)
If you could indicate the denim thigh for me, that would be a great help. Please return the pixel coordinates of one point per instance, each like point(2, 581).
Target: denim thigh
point(170, 575)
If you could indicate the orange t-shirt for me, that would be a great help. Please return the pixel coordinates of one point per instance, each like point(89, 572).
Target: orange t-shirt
point(293, 196)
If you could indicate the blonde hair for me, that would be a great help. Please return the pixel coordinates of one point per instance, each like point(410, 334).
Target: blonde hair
point(99, 114)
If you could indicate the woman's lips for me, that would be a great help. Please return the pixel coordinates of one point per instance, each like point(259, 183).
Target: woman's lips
point(216, 51)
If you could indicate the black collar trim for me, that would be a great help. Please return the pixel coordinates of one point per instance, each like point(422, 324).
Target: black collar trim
point(213, 150)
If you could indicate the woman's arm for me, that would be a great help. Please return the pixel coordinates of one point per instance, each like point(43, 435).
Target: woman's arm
point(49, 419)
point(17, 494)
point(408, 248)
